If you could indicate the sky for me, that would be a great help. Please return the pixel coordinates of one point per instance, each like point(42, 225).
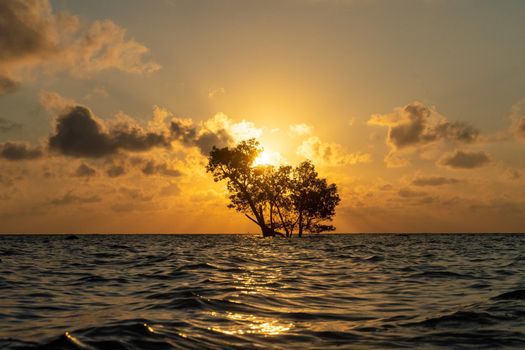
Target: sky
point(108, 110)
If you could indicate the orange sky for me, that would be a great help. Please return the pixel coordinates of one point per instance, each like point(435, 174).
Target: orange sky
point(108, 109)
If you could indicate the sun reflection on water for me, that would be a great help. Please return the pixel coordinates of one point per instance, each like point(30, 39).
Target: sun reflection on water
point(149, 328)
point(256, 281)
point(75, 341)
point(253, 281)
point(251, 324)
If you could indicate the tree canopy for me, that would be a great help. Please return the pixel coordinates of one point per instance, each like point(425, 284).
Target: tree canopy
point(281, 200)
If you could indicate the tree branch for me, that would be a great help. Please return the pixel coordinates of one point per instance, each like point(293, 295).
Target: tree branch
point(249, 217)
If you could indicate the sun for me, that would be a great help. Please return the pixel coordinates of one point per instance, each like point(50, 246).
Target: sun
point(268, 157)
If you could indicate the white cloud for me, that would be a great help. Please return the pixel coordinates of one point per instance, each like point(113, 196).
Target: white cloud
point(300, 129)
point(330, 153)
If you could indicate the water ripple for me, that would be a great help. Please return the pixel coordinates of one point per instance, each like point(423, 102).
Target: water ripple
point(242, 292)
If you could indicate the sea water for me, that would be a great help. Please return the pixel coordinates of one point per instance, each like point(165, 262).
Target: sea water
point(244, 292)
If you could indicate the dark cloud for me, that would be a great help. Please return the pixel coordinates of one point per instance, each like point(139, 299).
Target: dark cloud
point(458, 131)
point(415, 125)
point(136, 194)
point(116, 170)
point(184, 131)
point(7, 85)
point(16, 151)
point(152, 168)
point(418, 129)
point(8, 125)
point(427, 200)
point(27, 30)
point(136, 139)
point(465, 160)
point(408, 193)
point(78, 133)
point(204, 139)
point(71, 198)
point(209, 139)
point(33, 35)
point(85, 171)
point(434, 181)
point(412, 131)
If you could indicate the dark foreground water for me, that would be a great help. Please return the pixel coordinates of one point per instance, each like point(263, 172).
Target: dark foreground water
point(242, 292)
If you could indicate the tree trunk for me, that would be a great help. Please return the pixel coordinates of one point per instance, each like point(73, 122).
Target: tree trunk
point(300, 233)
point(271, 216)
point(288, 234)
point(268, 232)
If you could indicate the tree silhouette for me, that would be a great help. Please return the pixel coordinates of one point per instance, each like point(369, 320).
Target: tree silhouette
point(283, 198)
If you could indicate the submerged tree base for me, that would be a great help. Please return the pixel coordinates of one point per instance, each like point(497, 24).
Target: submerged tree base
point(271, 233)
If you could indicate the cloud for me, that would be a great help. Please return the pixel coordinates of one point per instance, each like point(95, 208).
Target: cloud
point(219, 131)
point(300, 129)
point(7, 85)
point(518, 120)
point(512, 174)
point(116, 171)
point(242, 130)
point(214, 92)
point(96, 92)
point(186, 132)
point(5, 180)
point(519, 128)
point(34, 36)
point(17, 151)
point(170, 190)
point(416, 125)
point(465, 160)
point(79, 133)
point(54, 102)
point(208, 139)
point(8, 125)
point(386, 187)
point(135, 194)
point(105, 46)
point(416, 197)
point(71, 198)
point(408, 193)
point(329, 153)
point(434, 181)
point(85, 171)
point(152, 168)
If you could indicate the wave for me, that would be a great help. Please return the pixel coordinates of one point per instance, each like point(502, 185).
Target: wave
point(459, 318)
point(440, 274)
point(512, 295)
point(239, 292)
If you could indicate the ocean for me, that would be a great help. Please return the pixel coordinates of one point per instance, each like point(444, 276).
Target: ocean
point(365, 291)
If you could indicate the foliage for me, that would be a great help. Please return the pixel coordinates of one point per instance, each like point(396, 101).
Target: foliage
point(292, 199)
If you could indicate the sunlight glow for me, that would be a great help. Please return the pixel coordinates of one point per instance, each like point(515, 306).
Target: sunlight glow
point(268, 157)
point(149, 328)
point(74, 340)
point(250, 324)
